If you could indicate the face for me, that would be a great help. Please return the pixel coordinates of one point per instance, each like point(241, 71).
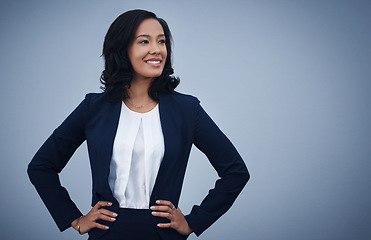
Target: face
point(147, 52)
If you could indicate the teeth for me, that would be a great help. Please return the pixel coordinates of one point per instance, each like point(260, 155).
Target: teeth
point(153, 62)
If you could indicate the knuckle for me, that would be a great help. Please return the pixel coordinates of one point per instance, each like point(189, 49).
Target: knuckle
point(96, 216)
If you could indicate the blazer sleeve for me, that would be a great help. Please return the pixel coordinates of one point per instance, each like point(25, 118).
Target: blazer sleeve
point(50, 159)
point(231, 169)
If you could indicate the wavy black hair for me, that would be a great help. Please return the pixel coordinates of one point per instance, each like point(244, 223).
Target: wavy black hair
point(118, 72)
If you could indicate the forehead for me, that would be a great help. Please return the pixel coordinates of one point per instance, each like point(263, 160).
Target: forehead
point(149, 27)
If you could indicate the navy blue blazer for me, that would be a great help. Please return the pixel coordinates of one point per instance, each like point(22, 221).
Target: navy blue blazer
point(183, 122)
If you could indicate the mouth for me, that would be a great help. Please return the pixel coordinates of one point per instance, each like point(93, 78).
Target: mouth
point(154, 61)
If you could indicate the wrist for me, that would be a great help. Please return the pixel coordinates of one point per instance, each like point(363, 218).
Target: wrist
point(187, 230)
point(75, 224)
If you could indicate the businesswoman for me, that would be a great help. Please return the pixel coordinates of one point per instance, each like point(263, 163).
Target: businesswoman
point(139, 133)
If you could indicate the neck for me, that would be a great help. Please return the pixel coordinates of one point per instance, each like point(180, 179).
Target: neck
point(139, 100)
point(138, 90)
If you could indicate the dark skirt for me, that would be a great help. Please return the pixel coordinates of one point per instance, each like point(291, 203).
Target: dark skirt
point(132, 224)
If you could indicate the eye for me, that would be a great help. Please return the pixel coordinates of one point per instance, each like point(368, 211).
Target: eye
point(143, 41)
point(162, 41)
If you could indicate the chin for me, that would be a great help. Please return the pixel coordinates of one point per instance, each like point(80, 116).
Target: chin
point(156, 75)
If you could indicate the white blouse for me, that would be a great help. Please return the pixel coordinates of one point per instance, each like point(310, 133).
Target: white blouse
point(138, 150)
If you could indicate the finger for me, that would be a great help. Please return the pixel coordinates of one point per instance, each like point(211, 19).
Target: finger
point(162, 214)
point(104, 217)
point(101, 226)
point(164, 202)
point(161, 208)
point(102, 204)
point(107, 212)
point(164, 225)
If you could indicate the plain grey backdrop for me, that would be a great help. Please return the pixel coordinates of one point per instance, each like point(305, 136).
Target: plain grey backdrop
point(289, 82)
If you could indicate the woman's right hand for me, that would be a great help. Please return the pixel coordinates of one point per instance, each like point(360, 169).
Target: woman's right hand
point(89, 221)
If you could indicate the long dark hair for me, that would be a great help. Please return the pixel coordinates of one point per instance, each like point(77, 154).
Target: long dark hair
point(118, 72)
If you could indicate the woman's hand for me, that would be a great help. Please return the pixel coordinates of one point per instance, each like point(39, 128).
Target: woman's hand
point(85, 223)
point(167, 210)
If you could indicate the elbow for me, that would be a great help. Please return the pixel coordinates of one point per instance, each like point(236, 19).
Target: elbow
point(38, 172)
point(242, 173)
point(242, 176)
point(245, 176)
point(31, 171)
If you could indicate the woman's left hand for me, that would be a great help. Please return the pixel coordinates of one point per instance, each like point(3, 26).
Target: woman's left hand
point(167, 210)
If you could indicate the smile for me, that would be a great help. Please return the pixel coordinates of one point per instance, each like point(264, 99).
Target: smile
point(153, 62)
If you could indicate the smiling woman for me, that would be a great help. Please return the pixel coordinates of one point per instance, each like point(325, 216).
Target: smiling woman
point(139, 30)
point(139, 133)
point(147, 52)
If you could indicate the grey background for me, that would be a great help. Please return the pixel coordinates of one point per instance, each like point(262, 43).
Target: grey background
point(287, 81)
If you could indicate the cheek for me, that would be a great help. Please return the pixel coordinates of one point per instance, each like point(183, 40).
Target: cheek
point(131, 56)
point(135, 54)
point(164, 53)
point(136, 59)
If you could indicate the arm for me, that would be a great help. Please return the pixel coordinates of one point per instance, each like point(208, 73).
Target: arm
point(230, 168)
point(48, 162)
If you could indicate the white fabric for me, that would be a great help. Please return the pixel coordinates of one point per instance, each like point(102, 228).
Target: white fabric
point(138, 150)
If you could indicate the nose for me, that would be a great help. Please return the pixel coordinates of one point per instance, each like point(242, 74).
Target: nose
point(155, 50)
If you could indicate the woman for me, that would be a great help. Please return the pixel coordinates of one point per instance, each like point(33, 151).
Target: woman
point(139, 133)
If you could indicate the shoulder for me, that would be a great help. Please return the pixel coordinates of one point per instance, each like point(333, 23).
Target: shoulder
point(99, 98)
point(97, 102)
point(95, 97)
point(180, 104)
point(180, 98)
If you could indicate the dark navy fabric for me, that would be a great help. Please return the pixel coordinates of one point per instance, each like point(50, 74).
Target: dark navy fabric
point(184, 123)
point(132, 224)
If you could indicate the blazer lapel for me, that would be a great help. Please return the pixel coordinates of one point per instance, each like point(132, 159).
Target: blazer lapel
point(104, 127)
point(167, 117)
point(101, 134)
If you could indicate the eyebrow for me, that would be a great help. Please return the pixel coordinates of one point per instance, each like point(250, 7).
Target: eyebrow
point(148, 36)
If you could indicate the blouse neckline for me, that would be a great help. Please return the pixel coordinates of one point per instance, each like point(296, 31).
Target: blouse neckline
point(138, 113)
